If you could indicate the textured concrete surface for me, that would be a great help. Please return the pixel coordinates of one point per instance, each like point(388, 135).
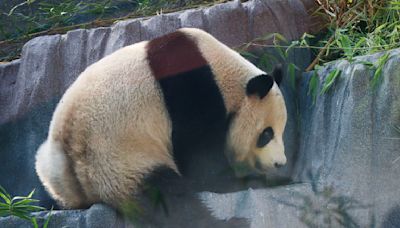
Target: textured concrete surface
point(97, 216)
point(250, 208)
point(31, 87)
point(260, 208)
point(348, 136)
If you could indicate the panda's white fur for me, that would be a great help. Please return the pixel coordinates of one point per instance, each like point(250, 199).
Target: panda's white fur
point(124, 125)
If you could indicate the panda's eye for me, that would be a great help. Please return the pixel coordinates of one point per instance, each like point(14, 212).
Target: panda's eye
point(265, 137)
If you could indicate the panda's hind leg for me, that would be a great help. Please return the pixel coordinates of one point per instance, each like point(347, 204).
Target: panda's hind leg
point(55, 172)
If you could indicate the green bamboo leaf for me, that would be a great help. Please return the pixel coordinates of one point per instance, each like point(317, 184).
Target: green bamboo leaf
point(31, 194)
point(23, 197)
point(17, 6)
point(46, 223)
point(362, 41)
point(21, 214)
point(16, 198)
point(279, 37)
point(34, 222)
point(281, 53)
point(3, 191)
point(330, 80)
point(345, 43)
point(270, 56)
point(248, 55)
point(377, 76)
point(3, 205)
point(381, 27)
point(292, 45)
point(5, 198)
point(5, 213)
point(303, 39)
point(132, 211)
point(379, 69)
point(266, 62)
point(291, 70)
point(366, 63)
point(26, 201)
point(313, 86)
point(29, 207)
point(266, 37)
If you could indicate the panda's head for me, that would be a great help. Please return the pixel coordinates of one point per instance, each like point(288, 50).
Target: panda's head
point(255, 134)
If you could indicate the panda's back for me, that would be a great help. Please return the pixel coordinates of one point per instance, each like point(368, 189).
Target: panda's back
point(111, 95)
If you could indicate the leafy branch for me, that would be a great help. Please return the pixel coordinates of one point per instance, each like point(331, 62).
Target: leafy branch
point(21, 206)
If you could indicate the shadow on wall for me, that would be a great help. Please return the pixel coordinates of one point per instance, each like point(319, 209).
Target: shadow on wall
point(392, 219)
point(19, 140)
point(183, 210)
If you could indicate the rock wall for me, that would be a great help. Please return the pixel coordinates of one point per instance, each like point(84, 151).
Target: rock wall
point(347, 136)
point(31, 86)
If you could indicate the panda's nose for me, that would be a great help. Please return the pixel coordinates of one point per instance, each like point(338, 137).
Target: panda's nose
point(278, 165)
point(280, 161)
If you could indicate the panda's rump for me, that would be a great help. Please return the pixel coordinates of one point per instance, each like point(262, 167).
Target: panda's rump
point(54, 170)
point(114, 128)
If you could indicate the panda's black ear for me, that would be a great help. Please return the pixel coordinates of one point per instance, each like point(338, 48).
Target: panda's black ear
point(259, 85)
point(277, 74)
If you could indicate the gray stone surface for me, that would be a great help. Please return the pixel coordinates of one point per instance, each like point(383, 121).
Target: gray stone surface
point(227, 19)
point(250, 208)
point(193, 19)
point(31, 87)
point(8, 81)
point(96, 216)
point(288, 18)
point(261, 208)
point(348, 136)
point(159, 25)
point(122, 34)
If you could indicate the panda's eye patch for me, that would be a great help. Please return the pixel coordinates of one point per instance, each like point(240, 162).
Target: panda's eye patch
point(266, 136)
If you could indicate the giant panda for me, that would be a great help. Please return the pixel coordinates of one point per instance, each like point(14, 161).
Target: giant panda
point(146, 105)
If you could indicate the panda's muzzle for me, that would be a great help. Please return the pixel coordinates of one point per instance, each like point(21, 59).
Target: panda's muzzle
point(261, 167)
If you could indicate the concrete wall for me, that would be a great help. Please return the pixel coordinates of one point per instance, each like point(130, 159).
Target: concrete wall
point(347, 137)
point(31, 86)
